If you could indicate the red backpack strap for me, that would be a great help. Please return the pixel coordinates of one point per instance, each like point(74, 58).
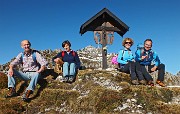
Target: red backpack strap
point(73, 53)
point(62, 54)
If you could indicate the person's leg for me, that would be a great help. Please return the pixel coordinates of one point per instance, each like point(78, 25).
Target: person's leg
point(72, 69)
point(12, 82)
point(139, 73)
point(125, 68)
point(34, 76)
point(72, 72)
point(161, 72)
point(66, 69)
point(147, 76)
point(18, 74)
point(130, 68)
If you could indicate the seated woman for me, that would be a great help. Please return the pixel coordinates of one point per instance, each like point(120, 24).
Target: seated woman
point(128, 64)
point(71, 62)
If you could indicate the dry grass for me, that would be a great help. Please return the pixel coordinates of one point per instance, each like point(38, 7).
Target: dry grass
point(87, 96)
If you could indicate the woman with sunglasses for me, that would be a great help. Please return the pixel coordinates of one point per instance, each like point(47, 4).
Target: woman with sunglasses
point(127, 62)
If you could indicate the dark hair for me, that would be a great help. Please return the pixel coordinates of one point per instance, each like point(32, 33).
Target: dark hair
point(148, 40)
point(66, 42)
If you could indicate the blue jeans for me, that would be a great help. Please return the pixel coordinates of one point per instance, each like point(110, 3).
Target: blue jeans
point(33, 76)
point(69, 69)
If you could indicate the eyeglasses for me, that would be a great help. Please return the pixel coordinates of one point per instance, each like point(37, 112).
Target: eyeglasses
point(128, 42)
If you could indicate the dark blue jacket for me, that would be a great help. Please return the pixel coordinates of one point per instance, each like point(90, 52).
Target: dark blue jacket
point(70, 58)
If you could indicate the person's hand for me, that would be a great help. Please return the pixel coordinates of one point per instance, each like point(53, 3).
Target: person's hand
point(59, 61)
point(143, 57)
point(10, 72)
point(153, 68)
point(41, 69)
point(56, 60)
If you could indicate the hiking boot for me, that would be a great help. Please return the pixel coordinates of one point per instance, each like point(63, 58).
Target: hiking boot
point(26, 94)
point(71, 79)
point(160, 83)
point(150, 83)
point(65, 79)
point(134, 82)
point(11, 93)
point(143, 82)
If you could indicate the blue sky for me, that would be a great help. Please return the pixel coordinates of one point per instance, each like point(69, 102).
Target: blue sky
point(47, 23)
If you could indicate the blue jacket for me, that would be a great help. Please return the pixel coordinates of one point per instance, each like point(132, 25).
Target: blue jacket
point(152, 57)
point(70, 58)
point(124, 56)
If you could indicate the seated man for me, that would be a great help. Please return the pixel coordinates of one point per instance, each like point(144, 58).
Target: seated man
point(145, 57)
point(33, 64)
point(71, 62)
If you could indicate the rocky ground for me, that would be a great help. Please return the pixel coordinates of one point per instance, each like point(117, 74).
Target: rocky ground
point(94, 92)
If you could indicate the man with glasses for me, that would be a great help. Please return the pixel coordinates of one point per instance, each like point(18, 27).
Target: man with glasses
point(150, 62)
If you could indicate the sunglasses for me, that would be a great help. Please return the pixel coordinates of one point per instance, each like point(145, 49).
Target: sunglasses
point(128, 42)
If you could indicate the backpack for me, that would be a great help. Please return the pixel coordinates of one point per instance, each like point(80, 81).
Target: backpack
point(33, 56)
point(114, 59)
point(140, 47)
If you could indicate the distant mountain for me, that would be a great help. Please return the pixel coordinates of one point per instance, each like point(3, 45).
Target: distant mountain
point(178, 74)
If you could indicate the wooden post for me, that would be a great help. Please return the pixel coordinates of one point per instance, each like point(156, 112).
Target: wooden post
point(104, 50)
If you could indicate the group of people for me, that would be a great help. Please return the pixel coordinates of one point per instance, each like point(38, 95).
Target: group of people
point(145, 61)
point(33, 64)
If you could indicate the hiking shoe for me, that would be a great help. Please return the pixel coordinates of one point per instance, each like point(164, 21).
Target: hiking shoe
point(71, 79)
point(143, 82)
point(134, 82)
point(26, 94)
point(65, 79)
point(11, 93)
point(150, 83)
point(160, 83)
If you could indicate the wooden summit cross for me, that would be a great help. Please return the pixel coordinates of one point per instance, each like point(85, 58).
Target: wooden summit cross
point(104, 24)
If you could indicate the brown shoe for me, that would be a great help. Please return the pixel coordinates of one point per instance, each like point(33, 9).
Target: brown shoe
point(160, 83)
point(11, 93)
point(134, 82)
point(143, 82)
point(150, 83)
point(26, 95)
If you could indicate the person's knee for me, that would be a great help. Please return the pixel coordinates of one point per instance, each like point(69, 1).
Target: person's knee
point(36, 75)
point(162, 66)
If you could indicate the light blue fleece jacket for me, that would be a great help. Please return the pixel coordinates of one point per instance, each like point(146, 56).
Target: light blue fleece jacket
point(124, 56)
point(152, 57)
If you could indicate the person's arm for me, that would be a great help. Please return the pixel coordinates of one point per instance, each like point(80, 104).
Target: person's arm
point(138, 56)
point(42, 61)
point(78, 63)
point(54, 59)
point(15, 62)
point(120, 56)
point(156, 60)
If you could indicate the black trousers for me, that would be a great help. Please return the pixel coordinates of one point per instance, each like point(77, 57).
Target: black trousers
point(130, 67)
point(148, 77)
